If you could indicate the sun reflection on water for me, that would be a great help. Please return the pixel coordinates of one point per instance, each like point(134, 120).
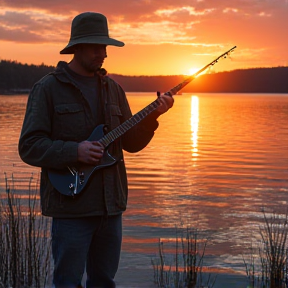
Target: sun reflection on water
point(194, 121)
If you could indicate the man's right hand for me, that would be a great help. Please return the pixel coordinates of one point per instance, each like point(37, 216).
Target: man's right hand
point(90, 152)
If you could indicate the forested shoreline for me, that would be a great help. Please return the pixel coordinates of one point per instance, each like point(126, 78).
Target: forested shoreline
point(18, 78)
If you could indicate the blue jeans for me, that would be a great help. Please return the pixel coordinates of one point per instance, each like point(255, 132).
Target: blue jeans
point(91, 242)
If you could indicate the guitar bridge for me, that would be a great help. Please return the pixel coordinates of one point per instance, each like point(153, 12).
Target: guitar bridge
point(71, 186)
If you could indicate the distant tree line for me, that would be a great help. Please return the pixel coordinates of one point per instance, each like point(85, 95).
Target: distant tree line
point(256, 80)
point(18, 78)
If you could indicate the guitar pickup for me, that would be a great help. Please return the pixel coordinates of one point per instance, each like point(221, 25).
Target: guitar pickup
point(81, 178)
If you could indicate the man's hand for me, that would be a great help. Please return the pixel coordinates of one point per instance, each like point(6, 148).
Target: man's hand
point(90, 152)
point(166, 102)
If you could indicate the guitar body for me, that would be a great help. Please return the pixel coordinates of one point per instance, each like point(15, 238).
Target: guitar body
point(72, 180)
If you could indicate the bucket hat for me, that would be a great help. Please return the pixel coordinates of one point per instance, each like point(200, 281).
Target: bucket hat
point(89, 28)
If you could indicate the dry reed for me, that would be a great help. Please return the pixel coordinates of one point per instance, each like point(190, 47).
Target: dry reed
point(268, 269)
point(25, 244)
point(184, 269)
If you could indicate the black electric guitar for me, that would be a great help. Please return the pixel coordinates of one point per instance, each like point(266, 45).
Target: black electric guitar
point(73, 180)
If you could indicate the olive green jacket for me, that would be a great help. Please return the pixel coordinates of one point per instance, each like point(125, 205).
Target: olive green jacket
point(57, 118)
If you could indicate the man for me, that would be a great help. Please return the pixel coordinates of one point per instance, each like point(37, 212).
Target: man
point(62, 111)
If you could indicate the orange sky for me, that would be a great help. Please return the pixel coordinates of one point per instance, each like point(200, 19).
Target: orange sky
point(162, 37)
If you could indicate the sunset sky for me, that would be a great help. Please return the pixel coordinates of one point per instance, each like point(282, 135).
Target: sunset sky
point(162, 37)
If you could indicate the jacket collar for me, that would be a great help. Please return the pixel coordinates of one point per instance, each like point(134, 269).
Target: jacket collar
point(61, 72)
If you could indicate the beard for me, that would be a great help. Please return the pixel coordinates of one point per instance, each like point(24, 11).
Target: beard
point(91, 66)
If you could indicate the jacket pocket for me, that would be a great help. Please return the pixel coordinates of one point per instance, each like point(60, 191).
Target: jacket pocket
point(116, 115)
point(69, 121)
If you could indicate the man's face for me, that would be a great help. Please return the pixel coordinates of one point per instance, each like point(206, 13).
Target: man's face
point(91, 56)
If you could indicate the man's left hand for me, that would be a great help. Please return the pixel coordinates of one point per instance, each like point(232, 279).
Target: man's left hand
point(166, 102)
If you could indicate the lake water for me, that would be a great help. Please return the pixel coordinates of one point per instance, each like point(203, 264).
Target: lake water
point(214, 163)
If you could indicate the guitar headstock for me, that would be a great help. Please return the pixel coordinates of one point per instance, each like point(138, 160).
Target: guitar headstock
point(187, 80)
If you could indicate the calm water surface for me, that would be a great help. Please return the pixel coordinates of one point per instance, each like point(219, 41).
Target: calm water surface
point(215, 161)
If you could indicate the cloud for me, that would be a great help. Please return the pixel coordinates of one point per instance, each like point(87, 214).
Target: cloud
point(180, 10)
point(228, 10)
point(181, 22)
point(264, 14)
point(156, 33)
point(32, 26)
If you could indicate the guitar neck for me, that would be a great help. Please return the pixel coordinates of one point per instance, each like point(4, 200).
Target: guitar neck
point(135, 119)
point(128, 124)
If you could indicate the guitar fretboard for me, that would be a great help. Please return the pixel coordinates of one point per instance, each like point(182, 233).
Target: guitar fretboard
point(129, 123)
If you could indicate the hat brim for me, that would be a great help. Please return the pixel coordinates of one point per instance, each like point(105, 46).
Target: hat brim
point(91, 40)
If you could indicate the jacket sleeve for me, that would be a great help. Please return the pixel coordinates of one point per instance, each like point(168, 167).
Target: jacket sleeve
point(141, 134)
point(35, 146)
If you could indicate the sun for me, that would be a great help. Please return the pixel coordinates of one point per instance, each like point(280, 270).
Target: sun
point(193, 70)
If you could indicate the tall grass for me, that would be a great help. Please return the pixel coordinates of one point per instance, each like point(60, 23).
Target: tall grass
point(267, 265)
point(25, 243)
point(184, 267)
